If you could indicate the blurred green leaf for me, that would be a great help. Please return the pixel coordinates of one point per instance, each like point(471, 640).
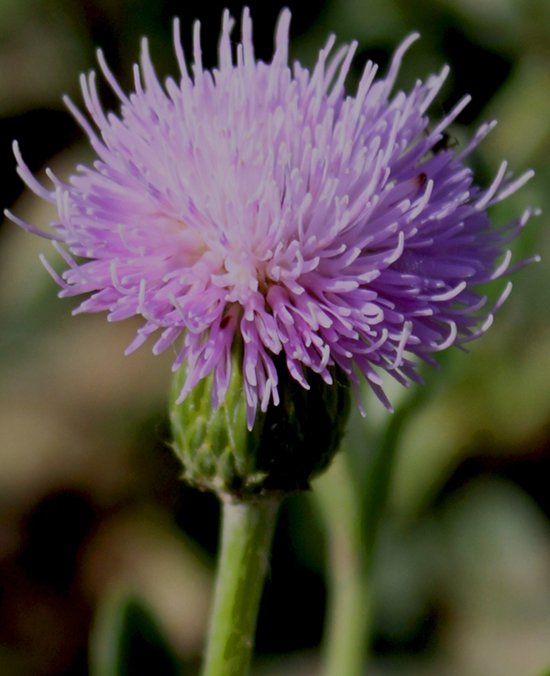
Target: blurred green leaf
point(127, 640)
point(521, 108)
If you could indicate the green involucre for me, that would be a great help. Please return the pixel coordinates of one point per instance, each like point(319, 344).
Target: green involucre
point(288, 445)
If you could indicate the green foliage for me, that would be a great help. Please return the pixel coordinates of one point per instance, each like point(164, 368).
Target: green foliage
point(128, 641)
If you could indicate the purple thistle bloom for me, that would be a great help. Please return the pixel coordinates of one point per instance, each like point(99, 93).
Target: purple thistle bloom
point(262, 203)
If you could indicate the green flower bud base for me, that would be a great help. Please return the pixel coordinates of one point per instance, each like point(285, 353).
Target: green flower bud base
point(288, 445)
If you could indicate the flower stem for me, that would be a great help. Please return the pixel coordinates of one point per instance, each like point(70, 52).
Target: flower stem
point(247, 533)
point(349, 615)
point(349, 594)
point(352, 511)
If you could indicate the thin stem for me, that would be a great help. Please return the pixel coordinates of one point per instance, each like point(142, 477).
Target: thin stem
point(349, 615)
point(352, 511)
point(348, 611)
point(247, 533)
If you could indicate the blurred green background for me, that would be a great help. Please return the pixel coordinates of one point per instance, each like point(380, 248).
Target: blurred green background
point(90, 501)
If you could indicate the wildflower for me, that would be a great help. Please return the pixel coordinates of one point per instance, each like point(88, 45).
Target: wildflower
point(260, 205)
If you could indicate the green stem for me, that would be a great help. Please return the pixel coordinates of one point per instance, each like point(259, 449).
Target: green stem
point(348, 604)
point(247, 533)
point(352, 511)
point(349, 614)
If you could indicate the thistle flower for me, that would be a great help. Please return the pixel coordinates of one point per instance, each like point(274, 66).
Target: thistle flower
point(258, 204)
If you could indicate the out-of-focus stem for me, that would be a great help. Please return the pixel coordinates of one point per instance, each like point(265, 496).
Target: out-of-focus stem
point(352, 510)
point(349, 618)
point(348, 609)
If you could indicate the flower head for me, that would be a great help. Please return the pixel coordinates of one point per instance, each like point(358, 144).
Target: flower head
point(260, 204)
